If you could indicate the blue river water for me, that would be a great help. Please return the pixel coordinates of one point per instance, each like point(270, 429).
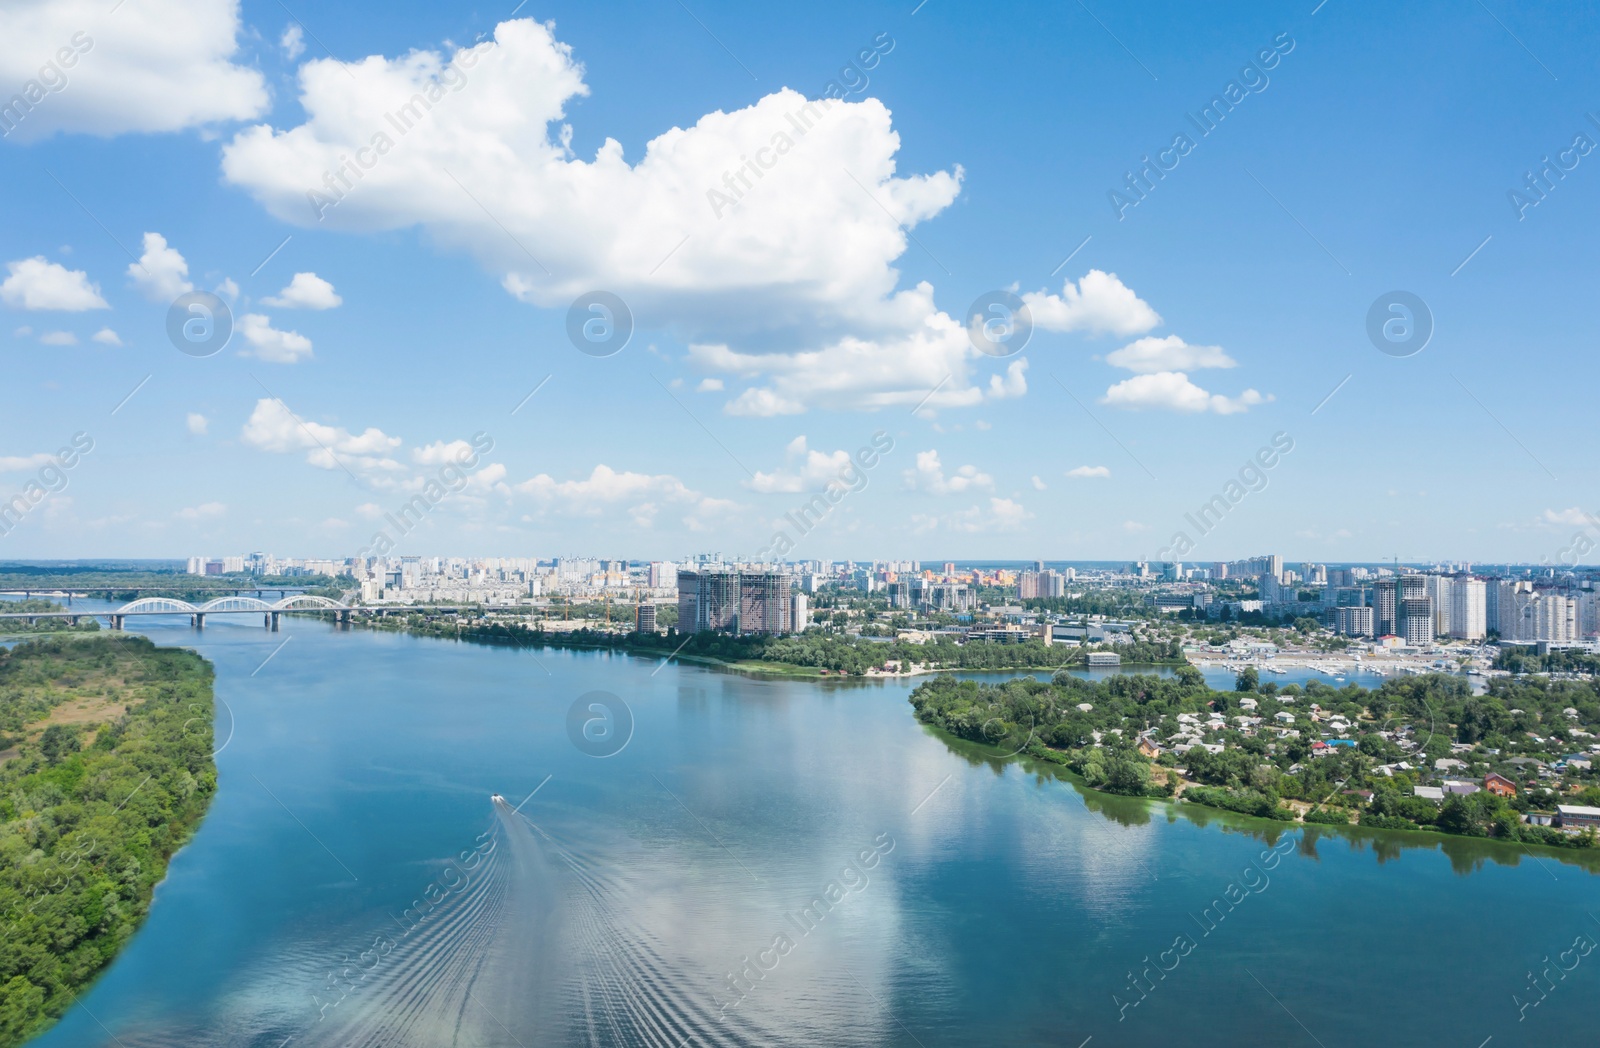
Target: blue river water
point(771, 863)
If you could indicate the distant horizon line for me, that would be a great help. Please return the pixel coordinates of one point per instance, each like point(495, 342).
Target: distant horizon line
point(978, 562)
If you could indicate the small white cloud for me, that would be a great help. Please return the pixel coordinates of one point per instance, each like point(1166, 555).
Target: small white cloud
point(1089, 471)
point(1575, 517)
point(442, 452)
point(306, 291)
point(641, 496)
point(59, 338)
point(23, 332)
point(1149, 355)
point(810, 470)
point(18, 463)
point(1172, 391)
point(293, 41)
point(161, 273)
point(197, 424)
point(270, 344)
point(709, 385)
point(929, 476)
point(205, 511)
point(370, 510)
point(273, 427)
point(106, 337)
point(228, 289)
point(1000, 515)
point(37, 283)
point(1134, 527)
point(1038, 485)
point(1099, 304)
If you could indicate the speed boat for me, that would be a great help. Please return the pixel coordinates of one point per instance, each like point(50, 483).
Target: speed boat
point(497, 798)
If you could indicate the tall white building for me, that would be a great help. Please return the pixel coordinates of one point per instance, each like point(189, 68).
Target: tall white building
point(1468, 609)
point(1555, 619)
point(1527, 615)
point(1439, 589)
point(1588, 614)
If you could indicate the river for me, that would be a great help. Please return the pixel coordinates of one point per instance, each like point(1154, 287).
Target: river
point(769, 863)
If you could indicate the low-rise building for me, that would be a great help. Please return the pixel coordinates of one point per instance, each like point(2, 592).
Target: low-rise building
point(1578, 817)
point(1496, 783)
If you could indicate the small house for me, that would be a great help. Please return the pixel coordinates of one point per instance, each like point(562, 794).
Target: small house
point(1498, 784)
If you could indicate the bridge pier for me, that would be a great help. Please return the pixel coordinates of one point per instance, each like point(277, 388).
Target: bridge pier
point(272, 623)
point(344, 618)
point(72, 620)
point(199, 621)
point(116, 622)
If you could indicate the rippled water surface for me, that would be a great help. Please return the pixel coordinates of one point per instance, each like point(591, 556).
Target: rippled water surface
point(770, 863)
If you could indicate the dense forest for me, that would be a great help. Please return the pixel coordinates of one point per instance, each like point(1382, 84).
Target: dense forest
point(1094, 727)
point(816, 650)
point(91, 807)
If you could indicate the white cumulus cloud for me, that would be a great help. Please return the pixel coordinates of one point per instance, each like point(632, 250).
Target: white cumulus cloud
point(794, 289)
point(306, 291)
point(1575, 516)
point(59, 338)
point(1099, 304)
point(638, 497)
point(1084, 472)
point(204, 511)
point(156, 65)
point(293, 41)
point(270, 344)
point(1146, 356)
point(197, 423)
point(929, 476)
point(1172, 391)
point(37, 283)
point(273, 427)
point(18, 463)
point(161, 273)
point(1000, 514)
point(807, 470)
point(106, 337)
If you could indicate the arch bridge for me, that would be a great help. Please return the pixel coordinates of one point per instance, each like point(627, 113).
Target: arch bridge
point(229, 605)
point(300, 603)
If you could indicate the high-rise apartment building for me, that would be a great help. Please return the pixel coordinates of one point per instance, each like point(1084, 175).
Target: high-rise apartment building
point(1439, 589)
point(766, 603)
point(1034, 585)
point(644, 618)
point(708, 600)
point(663, 575)
point(1416, 620)
point(1353, 621)
point(1468, 608)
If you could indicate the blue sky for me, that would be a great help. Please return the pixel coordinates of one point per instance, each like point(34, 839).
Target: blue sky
point(978, 151)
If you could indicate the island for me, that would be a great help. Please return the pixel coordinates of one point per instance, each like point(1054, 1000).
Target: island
point(106, 769)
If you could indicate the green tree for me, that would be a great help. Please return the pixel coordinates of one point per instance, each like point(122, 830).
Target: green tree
point(57, 741)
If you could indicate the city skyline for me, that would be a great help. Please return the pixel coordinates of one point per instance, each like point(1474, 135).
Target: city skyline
point(1215, 260)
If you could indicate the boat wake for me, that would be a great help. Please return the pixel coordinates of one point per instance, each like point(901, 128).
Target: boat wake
point(537, 949)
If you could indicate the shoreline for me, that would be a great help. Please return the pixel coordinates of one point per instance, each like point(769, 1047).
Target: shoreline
point(1202, 815)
